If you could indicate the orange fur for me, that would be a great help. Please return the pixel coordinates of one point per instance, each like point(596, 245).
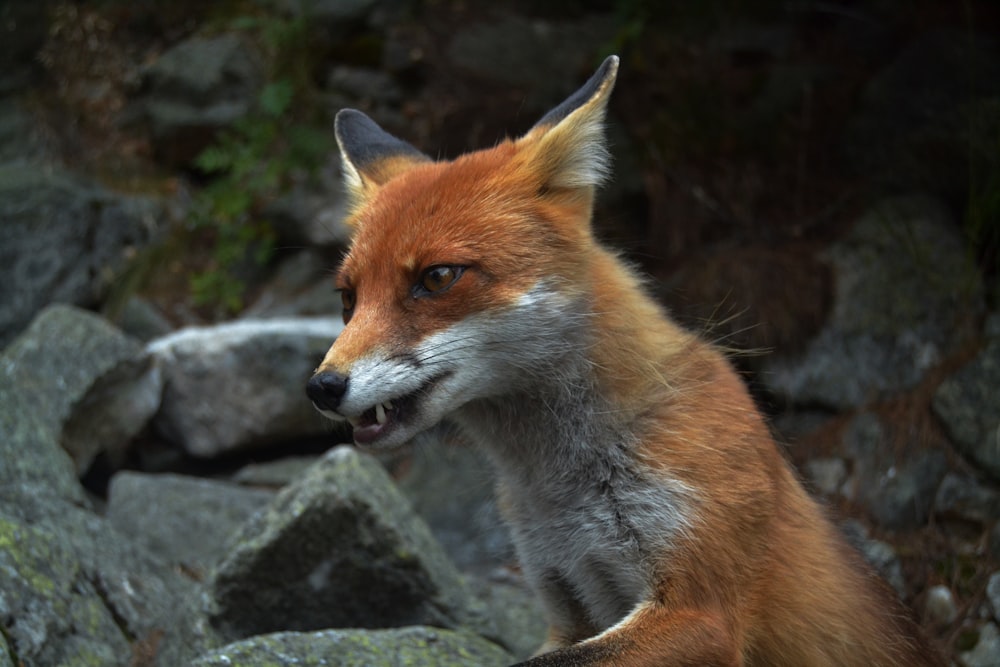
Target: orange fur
point(748, 570)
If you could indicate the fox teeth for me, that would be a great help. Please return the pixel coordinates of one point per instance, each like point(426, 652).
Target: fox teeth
point(380, 411)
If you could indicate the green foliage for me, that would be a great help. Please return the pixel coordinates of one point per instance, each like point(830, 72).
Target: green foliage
point(251, 163)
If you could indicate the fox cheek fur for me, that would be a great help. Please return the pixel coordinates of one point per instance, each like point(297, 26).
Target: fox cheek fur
point(651, 509)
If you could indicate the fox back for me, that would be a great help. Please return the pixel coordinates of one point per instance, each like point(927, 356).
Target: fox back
point(651, 509)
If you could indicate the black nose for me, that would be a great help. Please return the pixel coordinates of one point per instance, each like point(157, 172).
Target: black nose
point(326, 389)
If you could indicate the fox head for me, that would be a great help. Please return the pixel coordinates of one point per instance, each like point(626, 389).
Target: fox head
point(466, 279)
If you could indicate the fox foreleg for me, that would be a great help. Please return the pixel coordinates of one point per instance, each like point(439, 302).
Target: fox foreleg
point(652, 636)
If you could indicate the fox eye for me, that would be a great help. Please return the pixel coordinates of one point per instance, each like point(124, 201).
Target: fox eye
point(438, 278)
point(347, 299)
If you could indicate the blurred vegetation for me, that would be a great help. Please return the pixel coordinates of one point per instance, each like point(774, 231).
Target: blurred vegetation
point(252, 162)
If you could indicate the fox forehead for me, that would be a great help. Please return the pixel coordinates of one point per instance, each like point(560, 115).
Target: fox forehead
point(478, 210)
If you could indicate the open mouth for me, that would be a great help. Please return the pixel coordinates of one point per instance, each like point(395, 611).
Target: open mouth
point(382, 418)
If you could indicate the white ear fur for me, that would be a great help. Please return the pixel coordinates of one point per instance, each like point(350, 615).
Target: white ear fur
point(569, 146)
point(353, 182)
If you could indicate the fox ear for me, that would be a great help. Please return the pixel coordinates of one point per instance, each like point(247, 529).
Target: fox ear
point(370, 155)
point(567, 145)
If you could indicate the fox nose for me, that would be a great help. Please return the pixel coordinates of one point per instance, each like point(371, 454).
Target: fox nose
point(326, 389)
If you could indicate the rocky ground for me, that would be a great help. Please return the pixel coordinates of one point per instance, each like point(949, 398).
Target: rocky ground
point(815, 187)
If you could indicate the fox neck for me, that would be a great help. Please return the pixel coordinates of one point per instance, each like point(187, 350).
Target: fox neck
point(529, 431)
point(594, 394)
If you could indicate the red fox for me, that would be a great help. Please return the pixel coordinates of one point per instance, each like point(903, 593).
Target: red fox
point(651, 509)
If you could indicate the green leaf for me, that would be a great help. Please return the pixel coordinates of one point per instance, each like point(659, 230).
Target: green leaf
point(214, 159)
point(231, 202)
point(246, 23)
point(276, 97)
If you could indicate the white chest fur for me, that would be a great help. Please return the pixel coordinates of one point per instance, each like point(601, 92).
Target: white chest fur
point(585, 515)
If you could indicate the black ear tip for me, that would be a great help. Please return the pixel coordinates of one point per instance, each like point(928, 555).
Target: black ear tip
point(348, 120)
point(605, 73)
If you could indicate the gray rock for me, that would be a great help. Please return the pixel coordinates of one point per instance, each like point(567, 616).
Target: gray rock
point(142, 320)
point(409, 647)
point(993, 593)
point(301, 287)
point(5, 657)
point(21, 139)
point(185, 521)
point(520, 620)
point(986, 652)
point(62, 240)
point(963, 497)
point(92, 383)
point(338, 548)
point(274, 474)
point(894, 482)
point(826, 475)
point(34, 463)
point(241, 384)
point(197, 87)
point(44, 601)
point(880, 555)
point(885, 560)
point(75, 591)
point(939, 606)
point(968, 404)
point(311, 210)
point(451, 488)
point(904, 288)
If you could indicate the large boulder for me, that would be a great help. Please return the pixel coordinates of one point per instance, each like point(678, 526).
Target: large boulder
point(63, 240)
point(905, 288)
point(410, 647)
point(339, 547)
point(90, 383)
point(34, 463)
point(968, 403)
point(241, 384)
point(75, 591)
